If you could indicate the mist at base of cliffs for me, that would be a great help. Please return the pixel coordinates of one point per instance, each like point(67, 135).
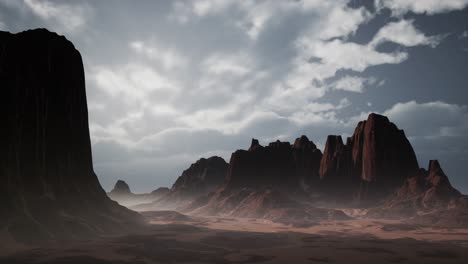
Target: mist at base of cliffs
point(374, 175)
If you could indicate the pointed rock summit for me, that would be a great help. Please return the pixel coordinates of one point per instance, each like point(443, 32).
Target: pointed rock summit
point(254, 145)
point(303, 142)
point(121, 188)
point(439, 190)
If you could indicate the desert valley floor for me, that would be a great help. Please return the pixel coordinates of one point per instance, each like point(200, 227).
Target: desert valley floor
point(172, 237)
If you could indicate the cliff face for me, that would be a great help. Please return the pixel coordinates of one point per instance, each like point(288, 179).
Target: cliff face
point(279, 165)
point(378, 157)
point(48, 185)
point(202, 177)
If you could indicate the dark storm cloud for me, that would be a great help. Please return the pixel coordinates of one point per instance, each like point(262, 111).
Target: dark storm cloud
point(171, 81)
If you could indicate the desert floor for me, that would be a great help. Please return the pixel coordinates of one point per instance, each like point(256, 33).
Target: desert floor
point(176, 238)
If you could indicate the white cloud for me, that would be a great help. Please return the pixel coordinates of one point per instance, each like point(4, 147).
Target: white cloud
point(427, 120)
point(70, 17)
point(235, 64)
point(342, 21)
point(431, 119)
point(353, 83)
point(254, 15)
point(307, 78)
point(404, 33)
point(337, 55)
point(133, 82)
point(430, 7)
point(169, 58)
point(134, 99)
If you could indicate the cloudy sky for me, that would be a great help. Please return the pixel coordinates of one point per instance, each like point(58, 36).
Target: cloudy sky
point(169, 82)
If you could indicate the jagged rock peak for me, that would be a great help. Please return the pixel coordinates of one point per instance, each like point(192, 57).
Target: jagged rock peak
point(279, 144)
point(121, 187)
point(436, 175)
point(334, 158)
point(334, 142)
point(303, 142)
point(254, 145)
point(434, 167)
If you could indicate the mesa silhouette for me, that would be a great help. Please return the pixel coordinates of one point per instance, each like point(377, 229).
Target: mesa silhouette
point(49, 189)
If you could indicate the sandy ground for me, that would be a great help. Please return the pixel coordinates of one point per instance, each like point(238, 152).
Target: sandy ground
point(175, 238)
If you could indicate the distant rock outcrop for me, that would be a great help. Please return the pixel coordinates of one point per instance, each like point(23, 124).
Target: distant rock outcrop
point(124, 196)
point(120, 188)
point(49, 188)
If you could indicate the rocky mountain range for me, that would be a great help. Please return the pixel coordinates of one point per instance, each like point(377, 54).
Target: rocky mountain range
point(376, 169)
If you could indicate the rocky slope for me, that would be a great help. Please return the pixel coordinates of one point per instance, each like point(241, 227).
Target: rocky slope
point(424, 197)
point(49, 188)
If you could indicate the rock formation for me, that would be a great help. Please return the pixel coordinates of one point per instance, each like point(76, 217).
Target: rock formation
point(202, 177)
point(120, 188)
point(49, 188)
point(376, 166)
point(377, 157)
point(427, 192)
point(279, 165)
point(269, 182)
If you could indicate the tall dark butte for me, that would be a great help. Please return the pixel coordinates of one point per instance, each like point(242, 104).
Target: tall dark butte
point(49, 188)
